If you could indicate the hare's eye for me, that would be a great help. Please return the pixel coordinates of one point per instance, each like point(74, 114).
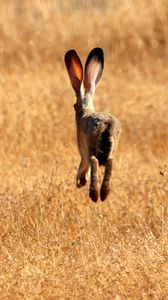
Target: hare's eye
point(75, 106)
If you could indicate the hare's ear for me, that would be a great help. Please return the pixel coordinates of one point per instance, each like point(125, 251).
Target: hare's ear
point(93, 69)
point(74, 69)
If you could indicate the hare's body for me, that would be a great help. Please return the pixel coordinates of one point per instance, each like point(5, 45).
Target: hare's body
point(97, 133)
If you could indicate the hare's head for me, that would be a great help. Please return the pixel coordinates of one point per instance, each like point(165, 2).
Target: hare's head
point(84, 82)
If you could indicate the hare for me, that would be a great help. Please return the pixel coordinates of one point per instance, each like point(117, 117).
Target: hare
point(97, 132)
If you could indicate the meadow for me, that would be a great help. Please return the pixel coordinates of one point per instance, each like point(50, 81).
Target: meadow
point(55, 243)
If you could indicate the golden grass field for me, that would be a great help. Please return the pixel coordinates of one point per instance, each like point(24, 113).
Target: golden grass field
point(55, 242)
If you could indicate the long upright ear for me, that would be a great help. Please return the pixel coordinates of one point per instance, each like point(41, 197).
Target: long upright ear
point(93, 69)
point(74, 69)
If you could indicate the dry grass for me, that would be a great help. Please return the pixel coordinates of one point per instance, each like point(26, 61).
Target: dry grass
point(56, 243)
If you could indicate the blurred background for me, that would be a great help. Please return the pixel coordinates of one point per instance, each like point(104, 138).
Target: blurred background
point(35, 32)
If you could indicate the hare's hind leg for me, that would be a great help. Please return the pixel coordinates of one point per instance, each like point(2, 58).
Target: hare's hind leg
point(105, 188)
point(81, 177)
point(93, 191)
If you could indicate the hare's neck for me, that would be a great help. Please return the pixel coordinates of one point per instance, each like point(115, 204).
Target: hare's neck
point(87, 103)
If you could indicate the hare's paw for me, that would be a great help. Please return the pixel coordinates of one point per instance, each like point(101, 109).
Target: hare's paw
point(104, 191)
point(93, 194)
point(81, 181)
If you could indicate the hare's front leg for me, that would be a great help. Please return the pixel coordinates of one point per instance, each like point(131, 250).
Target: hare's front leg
point(93, 192)
point(81, 177)
point(105, 188)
